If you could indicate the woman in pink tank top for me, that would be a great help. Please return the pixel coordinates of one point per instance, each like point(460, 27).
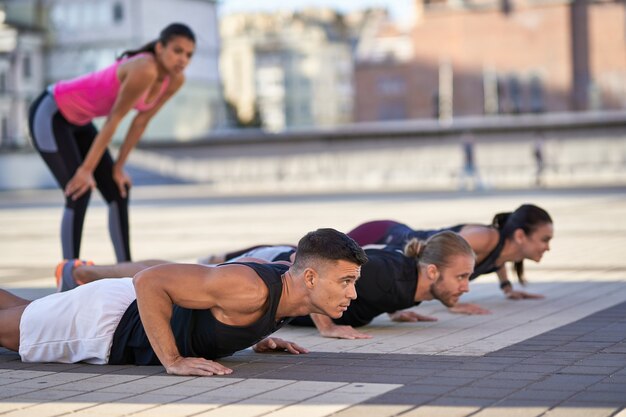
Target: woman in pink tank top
point(77, 154)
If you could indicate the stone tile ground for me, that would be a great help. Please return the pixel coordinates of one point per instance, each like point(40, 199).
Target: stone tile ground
point(565, 355)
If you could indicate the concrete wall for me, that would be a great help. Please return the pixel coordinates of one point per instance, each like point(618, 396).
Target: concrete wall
point(579, 149)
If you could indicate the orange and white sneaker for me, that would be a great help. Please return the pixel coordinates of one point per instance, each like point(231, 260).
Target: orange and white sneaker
point(64, 274)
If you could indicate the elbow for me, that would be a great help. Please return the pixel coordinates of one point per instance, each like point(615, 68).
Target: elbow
point(140, 279)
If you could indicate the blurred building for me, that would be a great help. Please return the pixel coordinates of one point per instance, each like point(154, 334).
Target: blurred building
point(86, 35)
point(21, 78)
point(475, 57)
point(293, 69)
point(384, 86)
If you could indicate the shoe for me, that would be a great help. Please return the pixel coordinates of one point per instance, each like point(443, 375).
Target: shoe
point(63, 274)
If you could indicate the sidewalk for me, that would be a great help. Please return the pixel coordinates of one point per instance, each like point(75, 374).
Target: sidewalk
point(561, 356)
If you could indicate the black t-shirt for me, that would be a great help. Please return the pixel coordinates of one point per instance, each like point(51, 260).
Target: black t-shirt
point(398, 235)
point(197, 332)
point(388, 283)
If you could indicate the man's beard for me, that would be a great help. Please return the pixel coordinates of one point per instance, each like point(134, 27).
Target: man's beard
point(447, 298)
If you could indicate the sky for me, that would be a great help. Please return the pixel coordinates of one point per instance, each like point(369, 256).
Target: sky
point(399, 9)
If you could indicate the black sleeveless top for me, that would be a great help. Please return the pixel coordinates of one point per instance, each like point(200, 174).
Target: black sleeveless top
point(388, 283)
point(399, 234)
point(489, 263)
point(197, 332)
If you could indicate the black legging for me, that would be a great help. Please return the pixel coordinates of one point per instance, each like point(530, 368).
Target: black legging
point(63, 147)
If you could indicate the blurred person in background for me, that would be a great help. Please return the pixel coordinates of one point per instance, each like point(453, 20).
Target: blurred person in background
point(62, 129)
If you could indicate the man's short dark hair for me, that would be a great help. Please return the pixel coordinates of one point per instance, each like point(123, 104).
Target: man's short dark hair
point(327, 244)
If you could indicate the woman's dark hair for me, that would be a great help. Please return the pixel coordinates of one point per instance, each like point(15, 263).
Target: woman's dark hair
point(527, 217)
point(172, 30)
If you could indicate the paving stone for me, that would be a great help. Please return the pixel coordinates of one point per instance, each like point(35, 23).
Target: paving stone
point(566, 382)
point(483, 392)
point(448, 381)
point(386, 410)
point(111, 409)
point(618, 348)
point(558, 354)
point(603, 360)
point(532, 394)
point(540, 359)
point(177, 409)
point(398, 397)
point(516, 403)
point(458, 373)
point(497, 360)
point(449, 400)
point(590, 370)
point(607, 387)
point(8, 392)
point(528, 376)
point(426, 388)
point(50, 394)
point(580, 412)
point(512, 353)
point(441, 411)
point(477, 366)
point(588, 404)
point(617, 379)
point(608, 398)
point(511, 412)
point(539, 368)
point(500, 383)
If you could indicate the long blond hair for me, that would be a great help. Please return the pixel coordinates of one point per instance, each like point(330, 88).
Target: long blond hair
point(438, 249)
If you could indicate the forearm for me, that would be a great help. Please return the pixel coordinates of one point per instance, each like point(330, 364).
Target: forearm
point(133, 136)
point(503, 278)
point(99, 146)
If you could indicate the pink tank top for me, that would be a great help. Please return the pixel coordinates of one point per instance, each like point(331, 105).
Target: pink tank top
point(93, 95)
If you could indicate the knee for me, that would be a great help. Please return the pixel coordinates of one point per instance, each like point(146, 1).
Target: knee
point(80, 203)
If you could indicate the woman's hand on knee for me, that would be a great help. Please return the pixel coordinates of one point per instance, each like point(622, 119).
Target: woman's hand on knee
point(81, 182)
point(123, 180)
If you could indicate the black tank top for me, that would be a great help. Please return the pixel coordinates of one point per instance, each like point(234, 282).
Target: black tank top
point(388, 283)
point(489, 263)
point(197, 332)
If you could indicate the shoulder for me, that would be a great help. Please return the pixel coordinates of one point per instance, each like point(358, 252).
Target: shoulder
point(480, 237)
point(143, 65)
point(382, 261)
point(176, 82)
point(242, 286)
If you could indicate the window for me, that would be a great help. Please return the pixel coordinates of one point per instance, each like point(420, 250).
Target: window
point(4, 138)
point(89, 15)
point(58, 15)
point(118, 12)
point(72, 14)
point(102, 14)
point(390, 86)
point(537, 104)
point(27, 67)
point(392, 111)
point(515, 93)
